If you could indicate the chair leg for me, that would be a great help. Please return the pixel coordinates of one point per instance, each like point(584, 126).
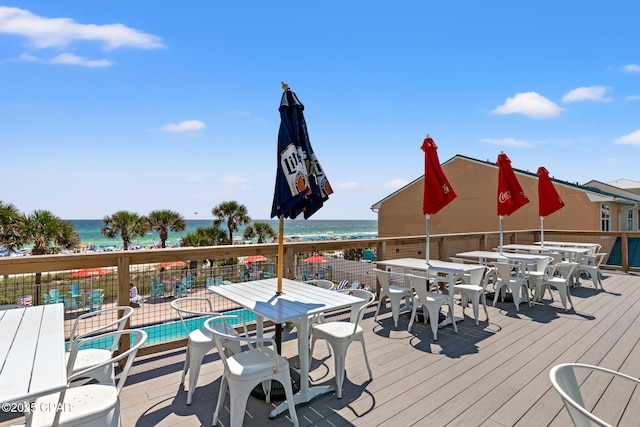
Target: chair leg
point(366, 359)
point(186, 366)
point(434, 311)
point(221, 397)
point(288, 391)
point(413, 314)
point(484, 304)
point(194, 365)
point(382, 296)
point(395, 309)
point(239, 394)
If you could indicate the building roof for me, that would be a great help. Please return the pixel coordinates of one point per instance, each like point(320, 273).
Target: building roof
point(626, 184)
point(596, 191)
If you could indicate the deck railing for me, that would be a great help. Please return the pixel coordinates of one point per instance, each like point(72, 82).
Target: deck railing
point(27, 279)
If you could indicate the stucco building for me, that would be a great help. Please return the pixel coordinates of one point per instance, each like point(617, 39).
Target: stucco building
point(594, 206)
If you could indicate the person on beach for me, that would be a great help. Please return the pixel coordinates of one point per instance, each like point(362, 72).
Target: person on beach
point(134, 298)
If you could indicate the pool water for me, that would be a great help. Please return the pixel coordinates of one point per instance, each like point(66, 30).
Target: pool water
point(174, 330)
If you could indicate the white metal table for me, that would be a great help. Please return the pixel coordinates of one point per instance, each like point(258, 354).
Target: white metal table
point(32, 353)
point(297, 302)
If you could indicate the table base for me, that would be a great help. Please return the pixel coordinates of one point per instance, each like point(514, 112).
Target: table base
point(277, 390)
point(302, 397)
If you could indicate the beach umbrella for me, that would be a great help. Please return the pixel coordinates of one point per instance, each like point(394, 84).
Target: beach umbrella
point(511, 197)
point(316, 259)
point(170, 264)
point(255, 258)
point(437, 191)
point(91, 272)
point(549, 200)
point(301, 184)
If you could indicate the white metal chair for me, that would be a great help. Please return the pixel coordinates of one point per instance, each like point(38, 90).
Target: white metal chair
point(535, 272)
point(244, 370)
point(200, 340)
point(590, 264)
point(476, 292)
point(91, 404)
point(322, 283)
point(561, 282)
point(517, 284)
point(431, 303)
point(563, 378)
point(395, 294)
point(339, 335)
point(115, 318)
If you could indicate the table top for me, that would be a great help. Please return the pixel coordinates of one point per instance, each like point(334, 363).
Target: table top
point(433, 265)
point(297, 300)
point(547, 247)
point(497, 256)
point(568, 244)
point(32, 352)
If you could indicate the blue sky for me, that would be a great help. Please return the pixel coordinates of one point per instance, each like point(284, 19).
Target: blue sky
point(143, 105)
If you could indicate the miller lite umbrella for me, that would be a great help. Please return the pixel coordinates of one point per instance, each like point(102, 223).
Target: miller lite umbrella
point(301, 184)
point(511, 197)
point(549, 200)
point(437, 191)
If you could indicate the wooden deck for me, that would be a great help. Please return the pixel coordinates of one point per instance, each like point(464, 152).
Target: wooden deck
point(494, 374)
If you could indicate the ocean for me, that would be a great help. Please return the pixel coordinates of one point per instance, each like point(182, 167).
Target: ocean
point(89, 231)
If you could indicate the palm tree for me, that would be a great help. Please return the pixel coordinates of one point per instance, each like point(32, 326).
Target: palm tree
point(261, 230)
point(11, 236)
point(126, 225)
point(233, 213)
point(164, 221)
point(48, 233)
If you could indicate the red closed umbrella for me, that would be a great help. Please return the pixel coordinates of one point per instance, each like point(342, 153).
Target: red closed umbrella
point(437, 191)
point(511, 197)
point(549, 200)
point(255, 258)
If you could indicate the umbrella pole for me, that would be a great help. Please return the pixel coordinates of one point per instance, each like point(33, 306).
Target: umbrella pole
point(428, 248)
point(542, 231)
point(501, 234)
point(280, 253)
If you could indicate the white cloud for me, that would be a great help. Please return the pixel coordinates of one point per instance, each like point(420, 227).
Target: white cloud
point(395, 183)
point(234, 179)
point(591, 93)
point(632, 98)
point(195, 178)
point(630, 139)
point(530, 104)
point(631, 68)
point(71, 59)
point(29, 58)
point(507, 142)
point(184, 126)
point(348, 185)
point(45, 32)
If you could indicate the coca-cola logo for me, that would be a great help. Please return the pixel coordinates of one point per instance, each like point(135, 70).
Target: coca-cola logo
point(504, 196)
point(445, 189)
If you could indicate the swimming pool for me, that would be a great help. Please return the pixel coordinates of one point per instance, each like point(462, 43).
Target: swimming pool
point(174, 330)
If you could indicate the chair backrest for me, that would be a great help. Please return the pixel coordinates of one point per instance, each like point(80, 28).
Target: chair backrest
point(55, 295)
point(420, 285)
point(47, 299)
point(358, 314)
point(192, 307)
point(504, 270)
point(139, 337)
point(383, 279)
point(540, 265)
point(96, 295)
point(322, 283)
point(225, 336)
point(563, 378)
point(75, 289)
point(113, 319)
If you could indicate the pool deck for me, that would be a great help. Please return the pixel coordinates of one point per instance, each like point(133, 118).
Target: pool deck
point(494, 374)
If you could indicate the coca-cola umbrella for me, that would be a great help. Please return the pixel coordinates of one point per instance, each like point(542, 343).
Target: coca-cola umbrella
point(549, 200)
point(437, 191)
point(511, 197)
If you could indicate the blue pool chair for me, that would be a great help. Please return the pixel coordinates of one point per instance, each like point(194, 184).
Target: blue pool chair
point(70, 303)
point(180, 290)
point(157, 288)
point(54, 296)
point(96, 297)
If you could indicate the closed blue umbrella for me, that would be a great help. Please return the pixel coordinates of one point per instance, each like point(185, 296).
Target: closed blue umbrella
point(301, 184)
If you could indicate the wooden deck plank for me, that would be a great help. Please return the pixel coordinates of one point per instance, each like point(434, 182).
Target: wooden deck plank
point(494, 374)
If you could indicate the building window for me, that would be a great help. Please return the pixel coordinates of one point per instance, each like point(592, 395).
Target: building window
point(605, 217)
point(630, 220)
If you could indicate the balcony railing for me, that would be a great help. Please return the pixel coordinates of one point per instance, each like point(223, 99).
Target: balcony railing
point(188, 271)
